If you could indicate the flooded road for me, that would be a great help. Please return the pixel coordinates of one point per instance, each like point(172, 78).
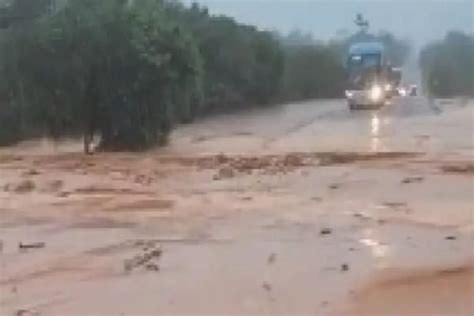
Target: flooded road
point(302, 209)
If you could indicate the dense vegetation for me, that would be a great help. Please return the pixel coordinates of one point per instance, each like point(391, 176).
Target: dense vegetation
point(130, 70)
point(448, 66)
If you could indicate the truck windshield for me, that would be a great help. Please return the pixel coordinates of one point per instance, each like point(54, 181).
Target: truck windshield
point(364, 62)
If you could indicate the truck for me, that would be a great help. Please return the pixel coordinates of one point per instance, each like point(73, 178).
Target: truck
point(371, 81)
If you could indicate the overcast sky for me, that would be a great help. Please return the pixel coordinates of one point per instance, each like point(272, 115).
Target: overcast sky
point(418, 20)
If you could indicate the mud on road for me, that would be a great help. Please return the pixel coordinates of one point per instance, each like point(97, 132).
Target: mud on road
point(307, 209)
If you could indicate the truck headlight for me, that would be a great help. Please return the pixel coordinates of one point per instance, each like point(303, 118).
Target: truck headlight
point(388, 87)
point(375, 93)
point(349, 94)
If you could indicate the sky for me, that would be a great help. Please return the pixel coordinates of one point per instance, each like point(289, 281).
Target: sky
point(420, 21)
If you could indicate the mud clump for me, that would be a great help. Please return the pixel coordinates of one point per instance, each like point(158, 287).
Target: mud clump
point(28, 246)
point(226, 172)
point(467, 168)
point(329, 159)
point(55, 185)
point(283, 163)
point(147, 260)
point(234, 166)
point(410, 180)
point(271, 259)
point(25, 186)
point(267, 287)
point(32, 172)
point(142, 205)
point(25, 312)
point(93, 189)
point(325, 231)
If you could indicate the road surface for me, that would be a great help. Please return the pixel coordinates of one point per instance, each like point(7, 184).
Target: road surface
point(302, 209)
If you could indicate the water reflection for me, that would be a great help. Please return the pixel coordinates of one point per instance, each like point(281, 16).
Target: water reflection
point(375, 125)
point(377, 249)
point(374, 133)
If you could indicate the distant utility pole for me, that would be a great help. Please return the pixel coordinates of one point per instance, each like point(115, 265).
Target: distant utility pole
point(362, 23)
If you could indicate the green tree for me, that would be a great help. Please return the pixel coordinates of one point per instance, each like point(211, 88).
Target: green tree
point(448, 66)
point(312, 71)
point(112, 67)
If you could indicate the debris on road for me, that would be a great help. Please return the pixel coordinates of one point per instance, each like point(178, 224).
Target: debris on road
point(25, 312)
point(272, 258)
point(344, 267)
point(145, 260)
point(410, 180)
point(152, 267)
point(226, 172)
point(361, 215)
point(464, 168)
point(38, 245)
point(326, 231)
point(450, 238)
point(32, 172)
point(398, 206)
point(267, 287)
point(63, 194)
point(25, 186)
point(55, 185)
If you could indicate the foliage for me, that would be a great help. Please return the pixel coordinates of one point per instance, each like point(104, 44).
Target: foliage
point(115, 67)
point(448, 66)
point(243, 66)
point(312, 71)
point(129, 70)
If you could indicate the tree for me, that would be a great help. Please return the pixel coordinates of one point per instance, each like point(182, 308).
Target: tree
point(448, 66)
point(312, 71)
point(112, 67)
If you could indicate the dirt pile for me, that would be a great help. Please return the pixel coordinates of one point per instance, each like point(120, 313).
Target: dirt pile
point(231, 166)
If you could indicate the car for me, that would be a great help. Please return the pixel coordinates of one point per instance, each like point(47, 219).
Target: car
point(402, 91)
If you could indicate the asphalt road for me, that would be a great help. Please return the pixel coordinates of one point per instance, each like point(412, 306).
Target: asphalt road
point(329, 125)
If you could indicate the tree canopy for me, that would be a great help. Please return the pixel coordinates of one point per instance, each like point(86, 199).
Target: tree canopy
point(448, 65)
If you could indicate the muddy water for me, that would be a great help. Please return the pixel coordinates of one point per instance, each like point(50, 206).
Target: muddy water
point(446, 291)
point(306, 209)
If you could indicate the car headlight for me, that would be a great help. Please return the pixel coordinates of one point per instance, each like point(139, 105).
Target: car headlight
point(349, 94)
point(403, 92)
point(375, 93)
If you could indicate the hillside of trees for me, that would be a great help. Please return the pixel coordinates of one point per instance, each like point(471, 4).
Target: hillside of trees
point(131, 70)
point(448, 66)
